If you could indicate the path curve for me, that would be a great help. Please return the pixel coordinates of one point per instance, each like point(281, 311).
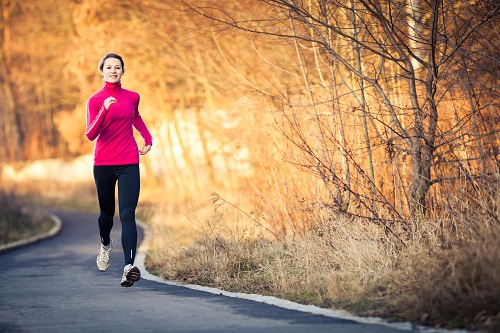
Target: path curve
point(54, 286)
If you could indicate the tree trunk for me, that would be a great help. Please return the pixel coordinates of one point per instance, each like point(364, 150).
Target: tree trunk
point(8, 114)
point(9, 122)
point(423, 142)
point(415, 32)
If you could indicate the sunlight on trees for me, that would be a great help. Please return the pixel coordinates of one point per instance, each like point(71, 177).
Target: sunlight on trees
point(389, 104)
point(400, 76)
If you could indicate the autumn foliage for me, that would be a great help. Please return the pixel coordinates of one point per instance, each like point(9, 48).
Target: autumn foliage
point(376, 121)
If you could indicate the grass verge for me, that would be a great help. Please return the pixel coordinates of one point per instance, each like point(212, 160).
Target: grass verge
point(18, 222)
point(445, 276)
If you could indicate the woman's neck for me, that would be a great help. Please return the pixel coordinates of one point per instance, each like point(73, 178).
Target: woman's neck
point(112, 85)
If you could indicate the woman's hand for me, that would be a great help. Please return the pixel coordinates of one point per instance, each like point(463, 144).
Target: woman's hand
point(108, 101)
point(144, 150)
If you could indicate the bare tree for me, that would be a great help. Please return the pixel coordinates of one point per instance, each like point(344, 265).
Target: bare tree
point(405, 53)
point(9, 122)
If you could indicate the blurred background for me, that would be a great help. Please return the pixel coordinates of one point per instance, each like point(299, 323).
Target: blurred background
point(196, 110)
point(384, 111)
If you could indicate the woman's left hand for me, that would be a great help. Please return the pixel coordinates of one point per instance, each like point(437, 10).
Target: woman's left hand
point(144, 149)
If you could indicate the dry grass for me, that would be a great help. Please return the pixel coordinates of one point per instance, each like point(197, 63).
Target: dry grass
point(446, 275)
point(456, 287)
point(18, 222)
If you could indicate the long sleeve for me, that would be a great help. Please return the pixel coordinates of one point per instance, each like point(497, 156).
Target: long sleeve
point(95, 119)
point(141, 127)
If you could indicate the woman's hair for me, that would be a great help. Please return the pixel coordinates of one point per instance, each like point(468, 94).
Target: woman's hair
point(110, 55)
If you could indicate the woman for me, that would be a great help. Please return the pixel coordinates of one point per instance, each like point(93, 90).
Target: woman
point(112, 113)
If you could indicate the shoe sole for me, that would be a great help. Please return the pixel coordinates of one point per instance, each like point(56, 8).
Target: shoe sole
point(132, 276)
point(102, 269)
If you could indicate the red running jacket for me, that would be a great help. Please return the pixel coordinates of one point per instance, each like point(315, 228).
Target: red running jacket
point(113, 128)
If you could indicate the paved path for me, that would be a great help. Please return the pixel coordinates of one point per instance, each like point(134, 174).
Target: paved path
point(54, 286)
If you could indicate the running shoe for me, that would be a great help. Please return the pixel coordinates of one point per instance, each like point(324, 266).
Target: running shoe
point(130, 275)
point(103, 256)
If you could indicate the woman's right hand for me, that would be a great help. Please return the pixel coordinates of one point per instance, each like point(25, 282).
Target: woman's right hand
point(108, 101)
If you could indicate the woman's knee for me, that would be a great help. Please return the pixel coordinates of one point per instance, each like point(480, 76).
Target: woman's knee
point(106, 215)
point(127, 215)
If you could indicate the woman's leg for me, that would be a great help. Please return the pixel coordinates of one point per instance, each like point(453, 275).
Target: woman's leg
point(105, 181)
point(128, 196)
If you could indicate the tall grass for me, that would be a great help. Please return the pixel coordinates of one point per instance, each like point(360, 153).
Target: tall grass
point(445, 274)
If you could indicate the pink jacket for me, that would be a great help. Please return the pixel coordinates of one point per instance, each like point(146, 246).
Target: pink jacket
point(115, 144)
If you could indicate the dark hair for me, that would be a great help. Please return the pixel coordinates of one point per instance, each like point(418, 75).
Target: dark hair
point(110, 55)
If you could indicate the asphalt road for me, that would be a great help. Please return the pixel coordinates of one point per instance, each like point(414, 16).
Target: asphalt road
point(54, 286)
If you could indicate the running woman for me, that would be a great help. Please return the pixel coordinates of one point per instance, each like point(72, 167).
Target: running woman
point(112, 113)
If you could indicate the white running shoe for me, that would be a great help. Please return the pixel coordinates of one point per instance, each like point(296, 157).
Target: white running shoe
point(130, 275)
point(103, 256)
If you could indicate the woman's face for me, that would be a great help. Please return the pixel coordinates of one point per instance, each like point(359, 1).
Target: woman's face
point(112, 70)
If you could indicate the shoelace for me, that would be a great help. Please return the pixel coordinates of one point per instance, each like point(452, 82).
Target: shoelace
point(125, 271)
point(104, 255)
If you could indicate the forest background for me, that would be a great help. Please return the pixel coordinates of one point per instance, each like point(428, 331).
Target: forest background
point(338, 153)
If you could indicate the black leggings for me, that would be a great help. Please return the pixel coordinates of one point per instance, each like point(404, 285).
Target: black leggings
point(128, 194)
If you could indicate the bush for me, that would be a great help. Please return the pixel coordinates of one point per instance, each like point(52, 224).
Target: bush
point(16, 222)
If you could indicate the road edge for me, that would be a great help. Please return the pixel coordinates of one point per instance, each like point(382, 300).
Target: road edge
point(271, 300)
point(140, 262)
point(31, 240)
